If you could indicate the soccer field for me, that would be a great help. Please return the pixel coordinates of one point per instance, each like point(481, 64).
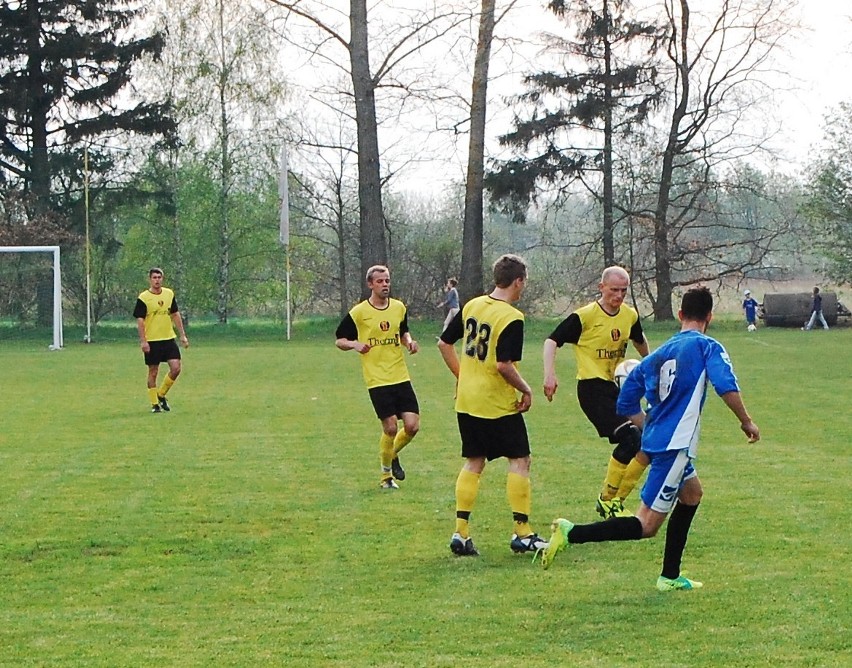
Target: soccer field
point(246, 527)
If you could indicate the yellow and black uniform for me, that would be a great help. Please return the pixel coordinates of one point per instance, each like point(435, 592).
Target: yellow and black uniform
point(489, 422)
point(600, 343)
point(157, 312)
point(383, 367)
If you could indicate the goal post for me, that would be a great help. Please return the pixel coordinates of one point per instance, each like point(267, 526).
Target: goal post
point(58, 340)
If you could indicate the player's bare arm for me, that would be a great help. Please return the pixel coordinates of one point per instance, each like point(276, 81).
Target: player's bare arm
point(511, 375)
point(143, 341)
point(410, 344)
point(348, 344)
point(178, 321)
point(551, 383)
point(451, 359)
point(734, 401)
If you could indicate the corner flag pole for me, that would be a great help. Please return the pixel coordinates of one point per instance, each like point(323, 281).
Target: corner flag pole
point(88, 338)
point(284, 222)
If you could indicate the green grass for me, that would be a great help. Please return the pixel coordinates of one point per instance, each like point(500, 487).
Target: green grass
point(246, 528)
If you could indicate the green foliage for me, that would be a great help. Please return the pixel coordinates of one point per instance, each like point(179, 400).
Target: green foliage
point(571, 116)
point(829, 203)
point(246, 528)
point(64, 72)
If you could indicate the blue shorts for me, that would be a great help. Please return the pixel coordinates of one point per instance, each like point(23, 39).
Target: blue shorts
point(666, 475)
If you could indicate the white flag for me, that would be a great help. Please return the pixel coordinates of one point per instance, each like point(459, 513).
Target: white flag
point(284, 194)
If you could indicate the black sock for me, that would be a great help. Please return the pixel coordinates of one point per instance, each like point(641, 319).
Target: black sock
point(618, 528)
point(676, 533)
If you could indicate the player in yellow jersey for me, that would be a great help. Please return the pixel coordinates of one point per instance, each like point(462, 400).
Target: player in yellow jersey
point(599, 333)
point(157, 314)
point(378, 329)
point(489, 411)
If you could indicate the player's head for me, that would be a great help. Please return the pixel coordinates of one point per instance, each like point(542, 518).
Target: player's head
point(697, 305)
point(507, 269)
point(155, 270)
point(452, 282)
point(816, 290)
point(378, 280)
point(613, 287)
point(747, 293)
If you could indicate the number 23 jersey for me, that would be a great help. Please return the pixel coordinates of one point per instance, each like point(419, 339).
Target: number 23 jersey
point(492, 331)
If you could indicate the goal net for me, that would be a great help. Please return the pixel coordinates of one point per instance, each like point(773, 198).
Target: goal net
point(31, 292)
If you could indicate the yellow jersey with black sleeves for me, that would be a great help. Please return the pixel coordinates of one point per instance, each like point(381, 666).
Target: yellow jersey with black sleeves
point(382, 330)
point(492, 331)
point(599, 339)
point(157, 311)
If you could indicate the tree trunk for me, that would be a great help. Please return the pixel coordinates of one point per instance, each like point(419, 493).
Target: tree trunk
point(373, 237)
point(39, 169)
point(224, 269)
point(472, 280)
point(663, 302)
point(608, 223)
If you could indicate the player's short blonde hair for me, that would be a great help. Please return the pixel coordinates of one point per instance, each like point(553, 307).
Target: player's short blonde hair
point(375, 269)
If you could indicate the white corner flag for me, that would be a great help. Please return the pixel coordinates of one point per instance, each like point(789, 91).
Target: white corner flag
point(284, 194)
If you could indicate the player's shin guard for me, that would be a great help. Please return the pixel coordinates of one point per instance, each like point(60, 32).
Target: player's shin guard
point(152, 396)
point(631, 477)
point(402, 439)
point(676, 534)
point(166, 385)
point(467, 489)
point(618, 528)
point(519, 493)
point(386, 454)
point(614, 474)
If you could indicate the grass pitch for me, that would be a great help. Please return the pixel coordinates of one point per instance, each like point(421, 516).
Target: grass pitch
point(246, 527)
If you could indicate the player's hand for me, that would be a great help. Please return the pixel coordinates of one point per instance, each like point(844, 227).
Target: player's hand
point(413, 346)
point(550, 385)
point(750, 429)
point(525, 402)
point(146, 347)
point(362, 348)
point(184, 341)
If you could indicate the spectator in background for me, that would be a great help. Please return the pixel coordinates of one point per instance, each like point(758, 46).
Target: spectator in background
point(451, 301)
point(816, 312)
point(750, 309)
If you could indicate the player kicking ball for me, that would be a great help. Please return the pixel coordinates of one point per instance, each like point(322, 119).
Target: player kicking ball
point(673, 380)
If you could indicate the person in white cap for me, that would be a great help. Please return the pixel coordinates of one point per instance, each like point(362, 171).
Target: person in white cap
point(750, 309)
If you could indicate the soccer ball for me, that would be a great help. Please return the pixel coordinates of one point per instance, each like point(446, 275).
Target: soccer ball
point(752, 328)
point(623, 370)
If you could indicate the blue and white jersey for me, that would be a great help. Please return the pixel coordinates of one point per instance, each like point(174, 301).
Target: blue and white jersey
point(673, 380)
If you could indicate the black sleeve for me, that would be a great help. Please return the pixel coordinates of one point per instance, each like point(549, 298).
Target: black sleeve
point(454, 330)
point(636, 333)
point(140, 310)
point(510, 345)
point(567, 331)
point(347, 329)
point(174, 308)
point(403, 326)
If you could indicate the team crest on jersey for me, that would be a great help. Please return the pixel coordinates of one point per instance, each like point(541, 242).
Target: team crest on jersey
point(615, 334)
point(160, 302)
point(384, 325)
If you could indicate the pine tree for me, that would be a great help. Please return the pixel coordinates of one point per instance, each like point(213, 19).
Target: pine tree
point(65, 70)
point(576, 113)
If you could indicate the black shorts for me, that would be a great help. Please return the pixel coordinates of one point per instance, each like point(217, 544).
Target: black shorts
point(162, 351)
point(597, 398)
point(493, 438)
point(394, 400)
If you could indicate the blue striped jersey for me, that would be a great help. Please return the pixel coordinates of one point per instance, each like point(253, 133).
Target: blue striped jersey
point(673, 380)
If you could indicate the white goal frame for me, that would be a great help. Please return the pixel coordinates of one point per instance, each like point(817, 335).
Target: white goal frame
point(58, 340)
